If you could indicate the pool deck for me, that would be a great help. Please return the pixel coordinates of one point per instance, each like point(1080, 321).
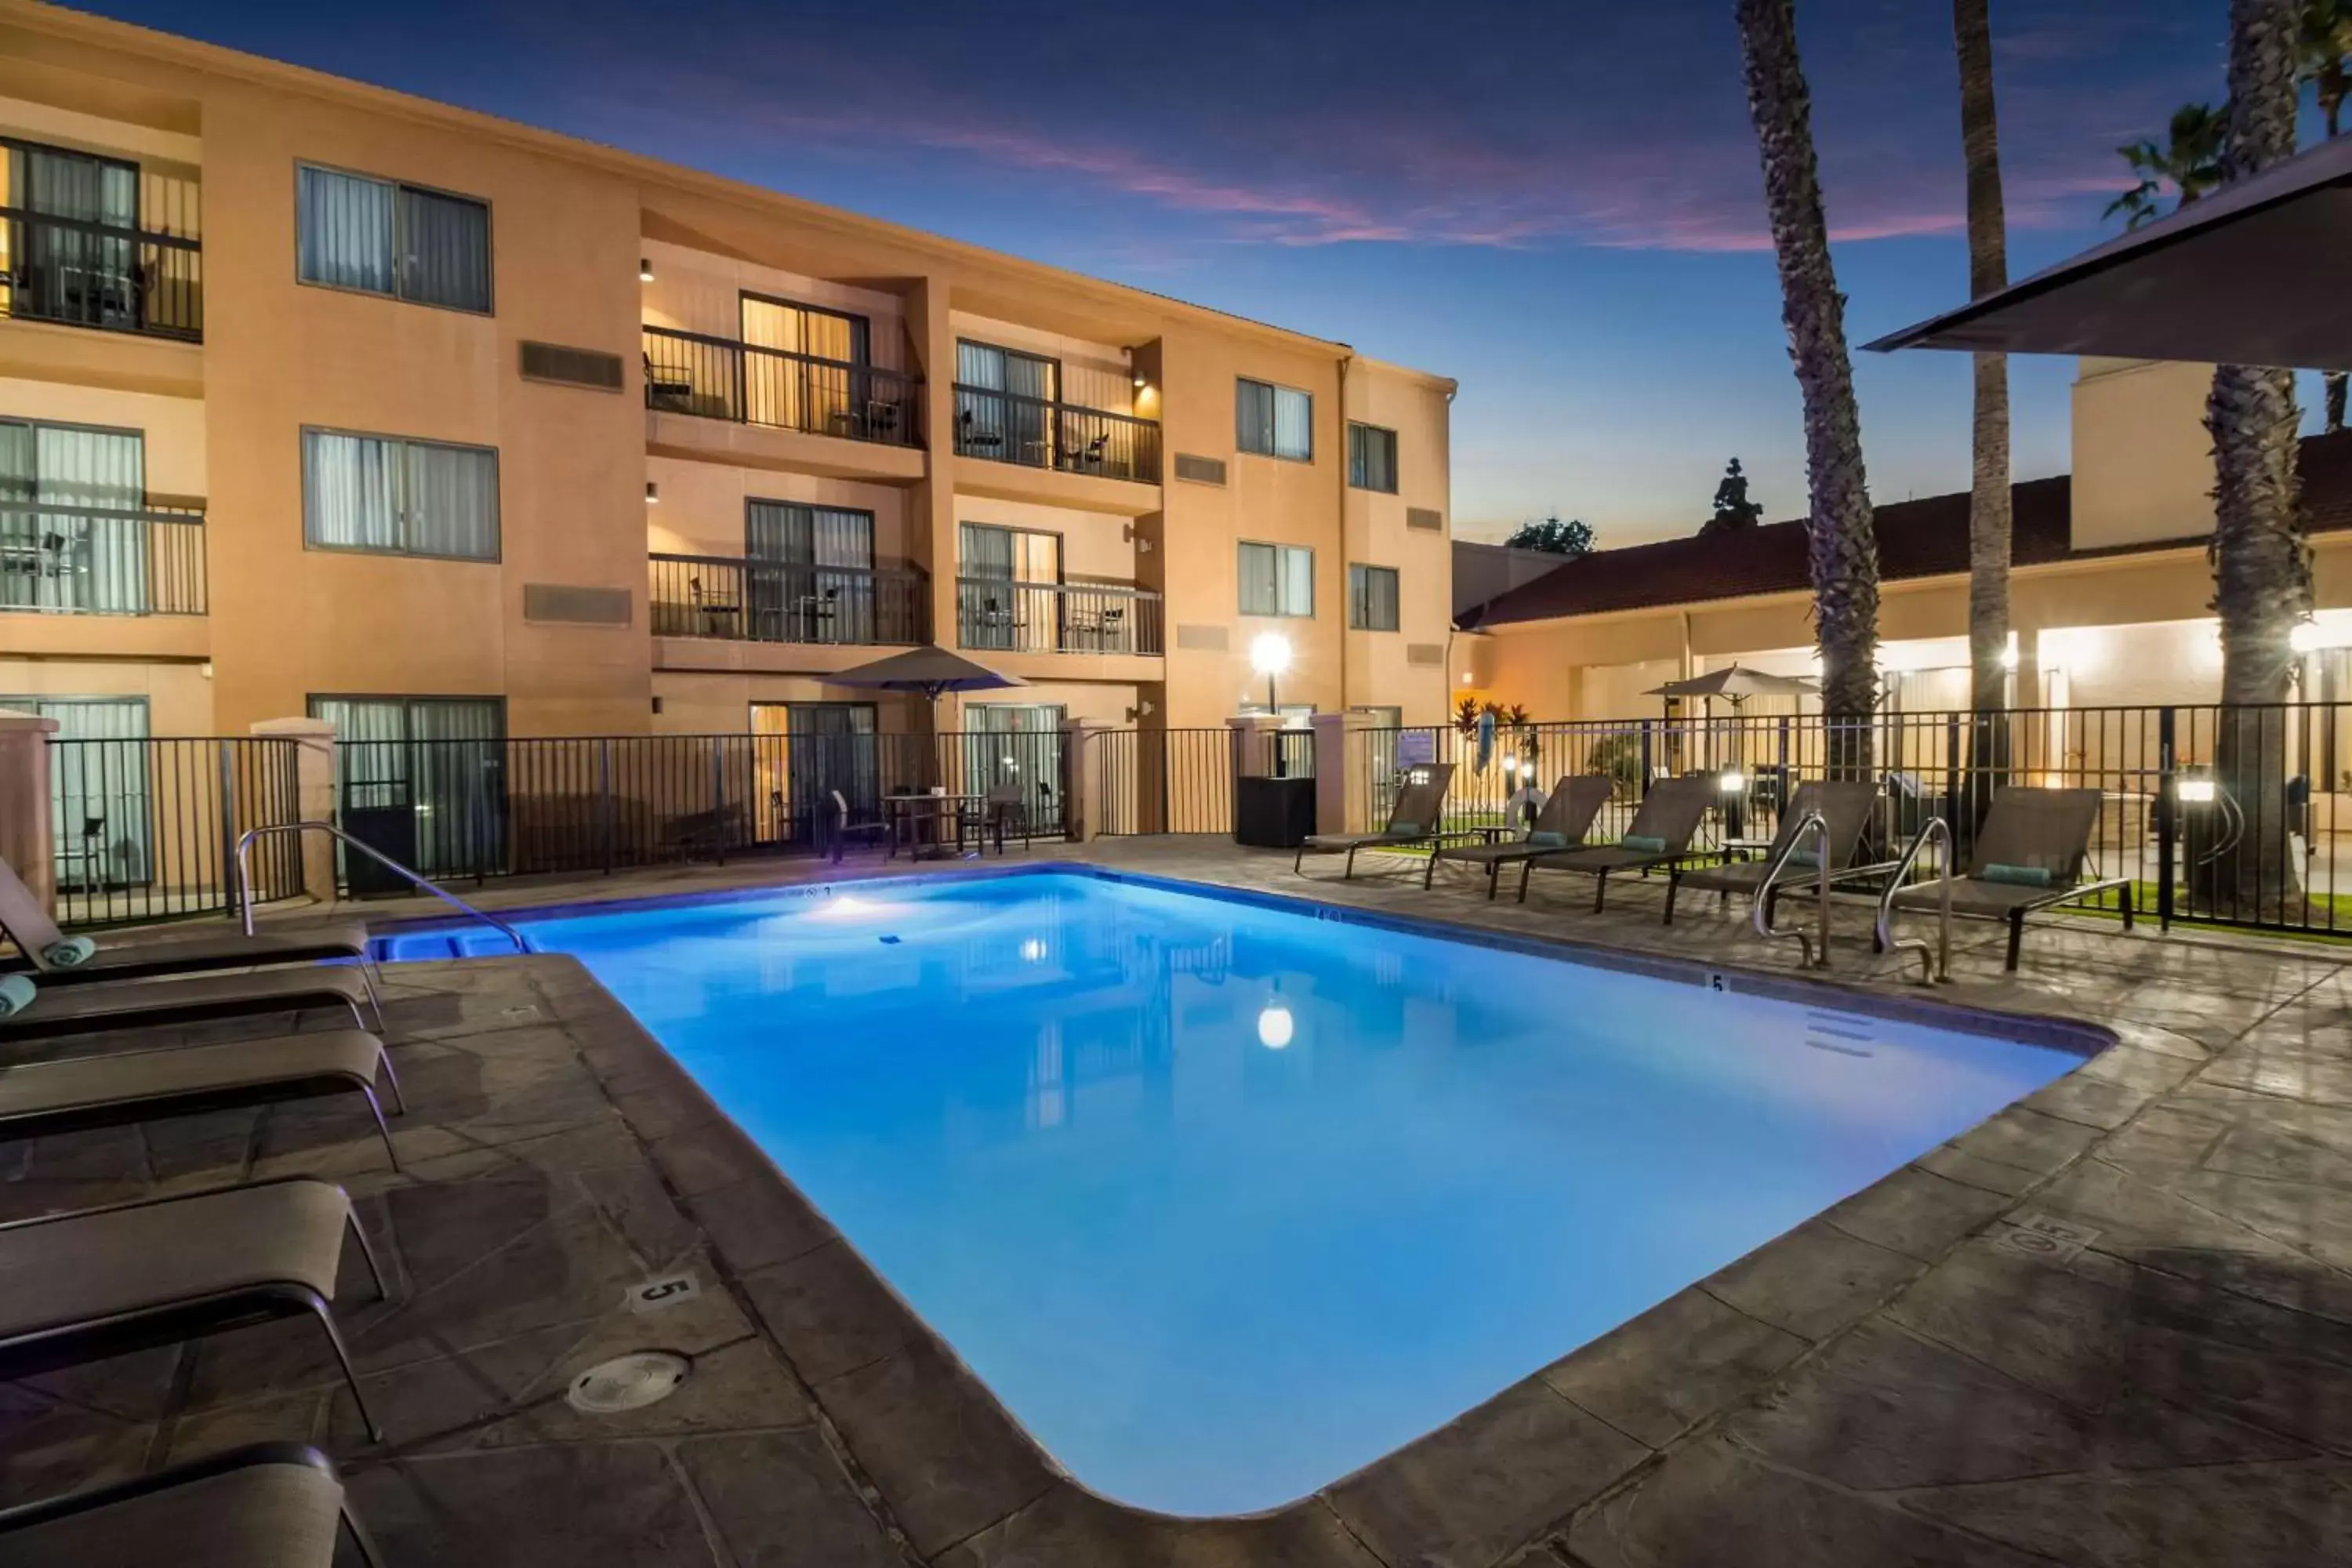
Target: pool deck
point(2112, 1325)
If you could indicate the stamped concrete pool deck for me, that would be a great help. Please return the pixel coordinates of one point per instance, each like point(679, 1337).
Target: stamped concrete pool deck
point(2113, 1325)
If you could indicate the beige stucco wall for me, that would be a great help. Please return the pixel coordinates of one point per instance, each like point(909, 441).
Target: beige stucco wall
point(1381, 667)
point(179, 695)
point(700, 507)
point(2143, 461)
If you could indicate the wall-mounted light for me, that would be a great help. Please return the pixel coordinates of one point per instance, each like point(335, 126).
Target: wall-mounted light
point(645, 270)
point(1465, 677)
point(653, 492)
point(1140, 383)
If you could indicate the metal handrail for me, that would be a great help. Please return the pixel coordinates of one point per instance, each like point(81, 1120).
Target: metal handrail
point(1814, 823)
point(1937, 962)
point(417, 879)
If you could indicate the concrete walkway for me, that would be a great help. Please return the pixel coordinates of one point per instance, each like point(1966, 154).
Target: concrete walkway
point(2111, 1326)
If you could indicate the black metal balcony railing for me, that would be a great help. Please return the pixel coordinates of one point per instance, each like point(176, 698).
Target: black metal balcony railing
point(1056, 617)
point(82, 274)
point(719, 378)
point(1030, 431)
point(96, 560)
point(762, 601)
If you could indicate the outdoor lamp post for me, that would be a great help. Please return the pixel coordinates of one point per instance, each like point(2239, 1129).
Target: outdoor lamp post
point(1270, 656)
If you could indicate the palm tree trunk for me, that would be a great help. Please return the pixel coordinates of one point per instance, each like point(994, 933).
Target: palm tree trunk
point(2261, 568)
point(1989, 495)
point(1842, 546)
point(2334, 383)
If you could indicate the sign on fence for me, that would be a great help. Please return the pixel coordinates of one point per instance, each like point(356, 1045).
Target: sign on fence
point(1416, 748)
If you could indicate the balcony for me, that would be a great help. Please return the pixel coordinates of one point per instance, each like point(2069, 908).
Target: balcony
point(1056, 617)
point(95, 560)
point(719, 378)
point(1008, 428)
point(770, 602)
point(76, 273)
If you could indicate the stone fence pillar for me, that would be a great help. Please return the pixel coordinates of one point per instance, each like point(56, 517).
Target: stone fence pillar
point(27, 821)
point(314, 795)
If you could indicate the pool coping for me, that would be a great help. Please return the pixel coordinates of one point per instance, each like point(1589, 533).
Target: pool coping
point(965, 1481)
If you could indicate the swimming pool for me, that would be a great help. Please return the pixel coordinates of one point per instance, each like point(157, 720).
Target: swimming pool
point(1224, 1201)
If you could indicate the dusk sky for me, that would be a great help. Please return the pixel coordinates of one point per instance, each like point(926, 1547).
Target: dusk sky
point(1558, 206)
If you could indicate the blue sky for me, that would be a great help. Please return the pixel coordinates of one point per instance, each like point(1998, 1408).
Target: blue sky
point(1558, 205)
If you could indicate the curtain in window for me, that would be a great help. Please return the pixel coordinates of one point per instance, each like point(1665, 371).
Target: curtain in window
point(99, 798)
point(350, 491)
point(1293, 424)
point(60, 547)
point(1371, 459)
point(447, 245)
point(1372, 598)
point(1253, 417)
point(442, 758)
point(451, 503)
point(73, 274)
point(344, 227)
point(810, 571)
point(1260, 580)
point(1297, 581)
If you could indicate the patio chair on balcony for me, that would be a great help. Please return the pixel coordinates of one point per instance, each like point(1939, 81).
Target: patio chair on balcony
point(1845, 805)
point(669, 386)
point(1415, 821)
point(1659, 837)
point(1567, 817)
point(2029, 856)
point(970, 437)
point(265, 1505)
point(1089, 456)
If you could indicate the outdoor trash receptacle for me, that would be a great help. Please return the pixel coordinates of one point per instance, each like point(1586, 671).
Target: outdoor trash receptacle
point(1273, 814)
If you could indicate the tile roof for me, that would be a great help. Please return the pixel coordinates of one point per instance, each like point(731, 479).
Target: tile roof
point(1925, 538)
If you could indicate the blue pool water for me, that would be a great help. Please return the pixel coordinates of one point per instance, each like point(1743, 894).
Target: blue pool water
point(1224, 1201)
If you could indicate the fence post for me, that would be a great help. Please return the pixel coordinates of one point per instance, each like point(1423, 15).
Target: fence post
point(225, 749)
point(2167, 829)
point(1340, 792)
point(604, 798)
point(719, 797)
point(1648, 772)
point(1079, 766)
point(27, 822)
point(313, 741)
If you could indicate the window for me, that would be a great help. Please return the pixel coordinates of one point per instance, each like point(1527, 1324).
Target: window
point(353, 232)
point(399, 498)
point(1277, 580)
point(1273, 420)
point(1371, 459)
point(1372, 598)
point(74, 534)
point(434, 764)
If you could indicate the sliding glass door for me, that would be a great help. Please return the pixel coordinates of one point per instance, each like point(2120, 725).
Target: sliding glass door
point(1004, 401)
point(811, 571)
point(101, 798)
point(72, 537)
point(425, 774)
point(1007, 597)
point(81, 266)
point(1017, 744)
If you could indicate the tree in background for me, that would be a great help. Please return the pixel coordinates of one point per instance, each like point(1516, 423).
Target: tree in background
point(1988, 497)
point(2189, 162)
point(1554, 537)
point(1842, 542)
point(2262, 567)
point(1734, 513)
point(2324, 45)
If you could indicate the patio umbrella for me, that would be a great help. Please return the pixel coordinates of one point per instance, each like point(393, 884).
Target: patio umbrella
point(1737, 684)
point(930, 670)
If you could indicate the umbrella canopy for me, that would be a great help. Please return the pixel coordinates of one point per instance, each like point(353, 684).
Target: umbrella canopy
point(1735, 682)
point(2251, 274)
point(930, 670)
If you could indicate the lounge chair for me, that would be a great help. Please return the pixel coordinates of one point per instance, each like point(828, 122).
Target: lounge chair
point(265, 1505)
point(83, 1286)
point(1660, 835)
point(61, 960)
point(1414, 818)
point(1566, 818)
point(178, 999)
point(41, 1099)
point(2028, 856)
point(1845, 805)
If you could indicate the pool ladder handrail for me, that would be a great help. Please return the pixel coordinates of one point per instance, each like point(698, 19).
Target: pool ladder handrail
point(1814, 823)
point(1937, 962)
point(415, 878)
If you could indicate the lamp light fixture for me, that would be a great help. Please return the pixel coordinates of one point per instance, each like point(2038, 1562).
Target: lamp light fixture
point(652, 493)
point(645, 270)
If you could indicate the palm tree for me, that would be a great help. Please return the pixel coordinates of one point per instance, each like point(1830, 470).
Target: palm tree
point(2325, 41)
point(2189, 161)
point(1988, 501)
point(2261, 568)
point(1842, 548)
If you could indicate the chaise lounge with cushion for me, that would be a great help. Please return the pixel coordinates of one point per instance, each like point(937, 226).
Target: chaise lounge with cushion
point(1567, 817)
point(265, 1505)
point(1660, 835)
point(1844, 805)
point(2029, 856)
point(1415, 819)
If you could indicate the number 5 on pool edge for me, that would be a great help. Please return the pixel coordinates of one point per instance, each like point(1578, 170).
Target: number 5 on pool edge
point(651, 1295)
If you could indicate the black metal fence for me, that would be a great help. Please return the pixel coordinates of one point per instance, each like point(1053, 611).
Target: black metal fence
point(2235, 816)
point(719, 378)
point(1038, 434)
point(99, 560)
point(1162, 781)
point(489, 809)
point(762, 601)
point(1056, 617)
point(77, 273)
point(146, 829)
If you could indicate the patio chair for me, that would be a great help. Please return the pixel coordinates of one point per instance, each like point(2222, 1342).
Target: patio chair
point(61, 960)
point(843, 829)
point(265, 1505)
point(122, 1088)
point(1566, 818)
point(1414, 819)
point(30, 1011)
point(1845, 805)
point(102, 1282)
point(2029, 856)
point(1003, 804)
point(1660, 835)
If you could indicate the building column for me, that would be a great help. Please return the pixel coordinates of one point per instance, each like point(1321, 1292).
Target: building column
point(314, 795)
point(1341, 791)
point(27, 827)
point(1078, 768)
point(930, 505)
